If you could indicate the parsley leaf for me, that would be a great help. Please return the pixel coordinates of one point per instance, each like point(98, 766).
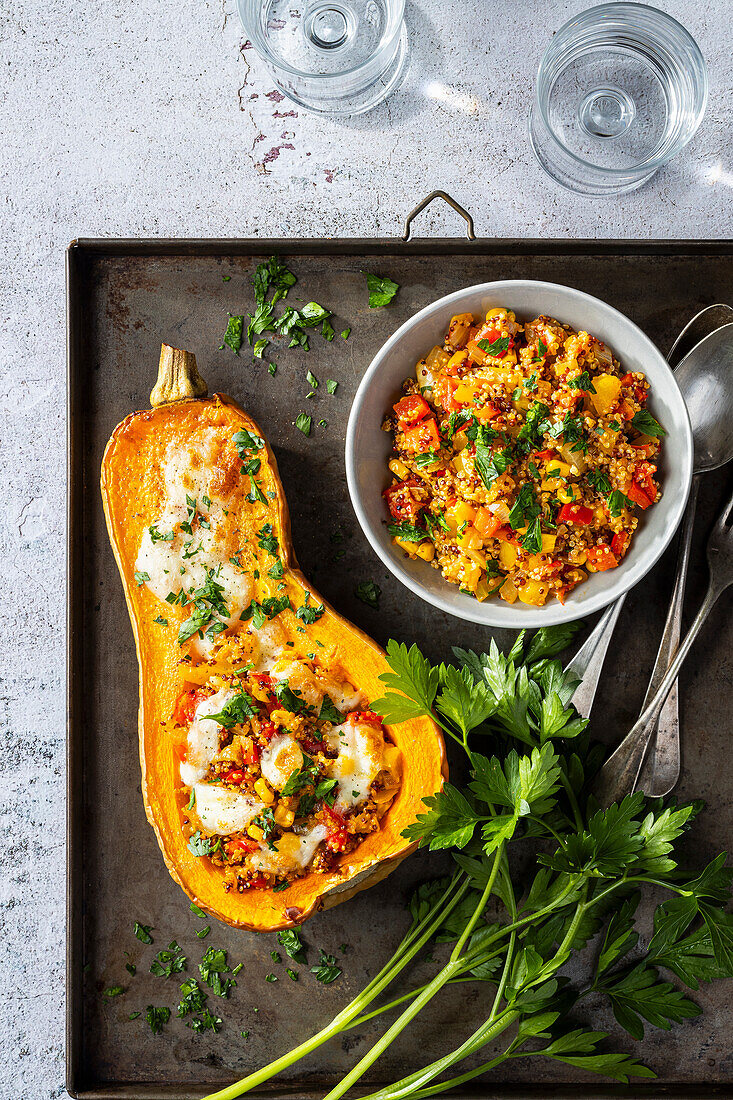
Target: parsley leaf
point(645, 423)
point(381, 290)
point(368, 592)
point(327, 970)
point(303, 423)
point(407, 531)
point(234, 333)
point(290, 940)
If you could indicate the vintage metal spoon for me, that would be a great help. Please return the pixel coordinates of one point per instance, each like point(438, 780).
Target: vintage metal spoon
point(706, 379)
point(618, 776)
point(587, 663)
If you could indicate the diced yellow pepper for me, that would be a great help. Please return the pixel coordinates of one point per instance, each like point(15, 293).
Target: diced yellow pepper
point(507, 555)
point(255, 832)
point(426, 551)
point(548, 543)
point(607, 387)
point(469, 538)
point(283, 816)
point(465, 393)
point(456, 360)
point(568, 493)
point(471, 574)
point(461, 512)
point(534, 593)
point(508, 592)
point(408, 547)
point(262, 789)
point(399, 469)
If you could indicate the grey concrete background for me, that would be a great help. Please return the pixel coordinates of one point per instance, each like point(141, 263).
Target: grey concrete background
point(154, 119)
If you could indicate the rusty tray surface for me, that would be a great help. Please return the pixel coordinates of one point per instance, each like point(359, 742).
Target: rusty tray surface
point(125, 297)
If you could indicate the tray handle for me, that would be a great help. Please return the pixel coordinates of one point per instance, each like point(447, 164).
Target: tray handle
point(426, 202)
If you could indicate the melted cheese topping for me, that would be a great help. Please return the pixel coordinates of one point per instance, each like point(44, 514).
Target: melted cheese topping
point(280, 759)
point(313, 687)
point(271, 639)
point(202, 743)
point(182, 561)
point(293, 851)
point(360, 747)
point(223, 811)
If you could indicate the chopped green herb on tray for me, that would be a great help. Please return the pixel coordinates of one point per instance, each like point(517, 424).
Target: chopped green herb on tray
point(381, 290)
point(540, 871)
point(368, 592)
point(303, 423)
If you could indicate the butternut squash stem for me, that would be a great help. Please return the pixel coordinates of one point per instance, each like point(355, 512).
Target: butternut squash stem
point(451, 970)
point(416, 937)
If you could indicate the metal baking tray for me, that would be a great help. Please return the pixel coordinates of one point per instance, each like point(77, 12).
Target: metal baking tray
point(124, 298)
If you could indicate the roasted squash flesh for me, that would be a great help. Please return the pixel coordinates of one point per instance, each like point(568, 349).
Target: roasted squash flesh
point(293, 797)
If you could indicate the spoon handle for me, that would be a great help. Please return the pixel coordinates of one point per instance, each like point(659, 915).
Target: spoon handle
point(619, 775)
point(661, 768)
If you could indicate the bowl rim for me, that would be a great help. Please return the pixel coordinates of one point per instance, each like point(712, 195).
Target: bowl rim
point(482, 613)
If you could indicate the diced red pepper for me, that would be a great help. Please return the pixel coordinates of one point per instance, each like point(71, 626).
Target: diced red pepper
point(267, 730)
point(506, 534)
point(638, 391)
point(411, 409)
point(403, 505)
point(257, 883)
point(263, 678)
point(338, 836)
point(620, 543)
point(626, 410)
point(241, 845)
point(443, 392)
point(186, 703)
point(180, 748)
point(311, 745)
point(546, 454)
point(601, 558)
point(253, 756)
point(233, 776)
point(485, 522)
point(636, 495)
point(423, 437)
point(575, 513)
point(643, 488)
point(367, 716)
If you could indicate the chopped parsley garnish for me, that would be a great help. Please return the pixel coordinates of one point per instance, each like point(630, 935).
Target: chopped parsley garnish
point(276, 571)
point(312, 314)
point(236, 711)
point(381, 290)
point(328, 712)
point(327, 970)
point(199, 845)
point(272, 369)
point(407, 531)
point(212, 966)
point(142, 932)
point(617, 501)
point(331, 386)
point(312, 380)
point(170, 960)
point(159, 619)
point(270, 977)
point(266, 821)
point(197, 912)
point(525, 508)
point(491, 464)
point(493, 347)
point(115, 990)
point(141, 578)
point(303, 423)
point(289, 699)
point(582, 382)
point(292, 974)
point(258, 350)
point(234, 333)
point(208, 601)
point(645, 423)
point(427, 458)
point(156, 536)
point(541, 351)
point(245, 441)
point(290, 940)
point(345, 334)
point(191, 803)
point(327, 330)
point(266, 540)
point(599, 480)
point(305, 776)
point(307, 613)
point(157, 1018)
point(532, 540)
point(368, 592)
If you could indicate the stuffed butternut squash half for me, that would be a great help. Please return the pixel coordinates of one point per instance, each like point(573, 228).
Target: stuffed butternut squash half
point(272, 787)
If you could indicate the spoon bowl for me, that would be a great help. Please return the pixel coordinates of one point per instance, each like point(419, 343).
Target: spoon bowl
point(704, 376)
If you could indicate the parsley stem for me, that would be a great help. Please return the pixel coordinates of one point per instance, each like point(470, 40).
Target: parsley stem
point(417, 936)
point(572, 800)
point(488, 890)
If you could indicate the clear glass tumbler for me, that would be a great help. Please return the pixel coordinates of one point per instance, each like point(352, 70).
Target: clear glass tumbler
point(339, 57)
point(621, 89)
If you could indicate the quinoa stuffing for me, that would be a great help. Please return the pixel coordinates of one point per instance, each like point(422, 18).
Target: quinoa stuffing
point(282, 773)
point(521, 456)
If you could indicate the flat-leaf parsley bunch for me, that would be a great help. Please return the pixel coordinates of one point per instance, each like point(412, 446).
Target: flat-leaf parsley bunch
point(527, 804)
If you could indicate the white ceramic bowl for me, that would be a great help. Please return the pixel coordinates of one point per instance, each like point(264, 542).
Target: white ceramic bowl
point(368, 447)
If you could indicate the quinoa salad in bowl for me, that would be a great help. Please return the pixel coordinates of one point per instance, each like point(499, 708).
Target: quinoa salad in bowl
point(523, 455)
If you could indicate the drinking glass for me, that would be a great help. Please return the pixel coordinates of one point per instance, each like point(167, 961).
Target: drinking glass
point(621, 89)
point(339, 57)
